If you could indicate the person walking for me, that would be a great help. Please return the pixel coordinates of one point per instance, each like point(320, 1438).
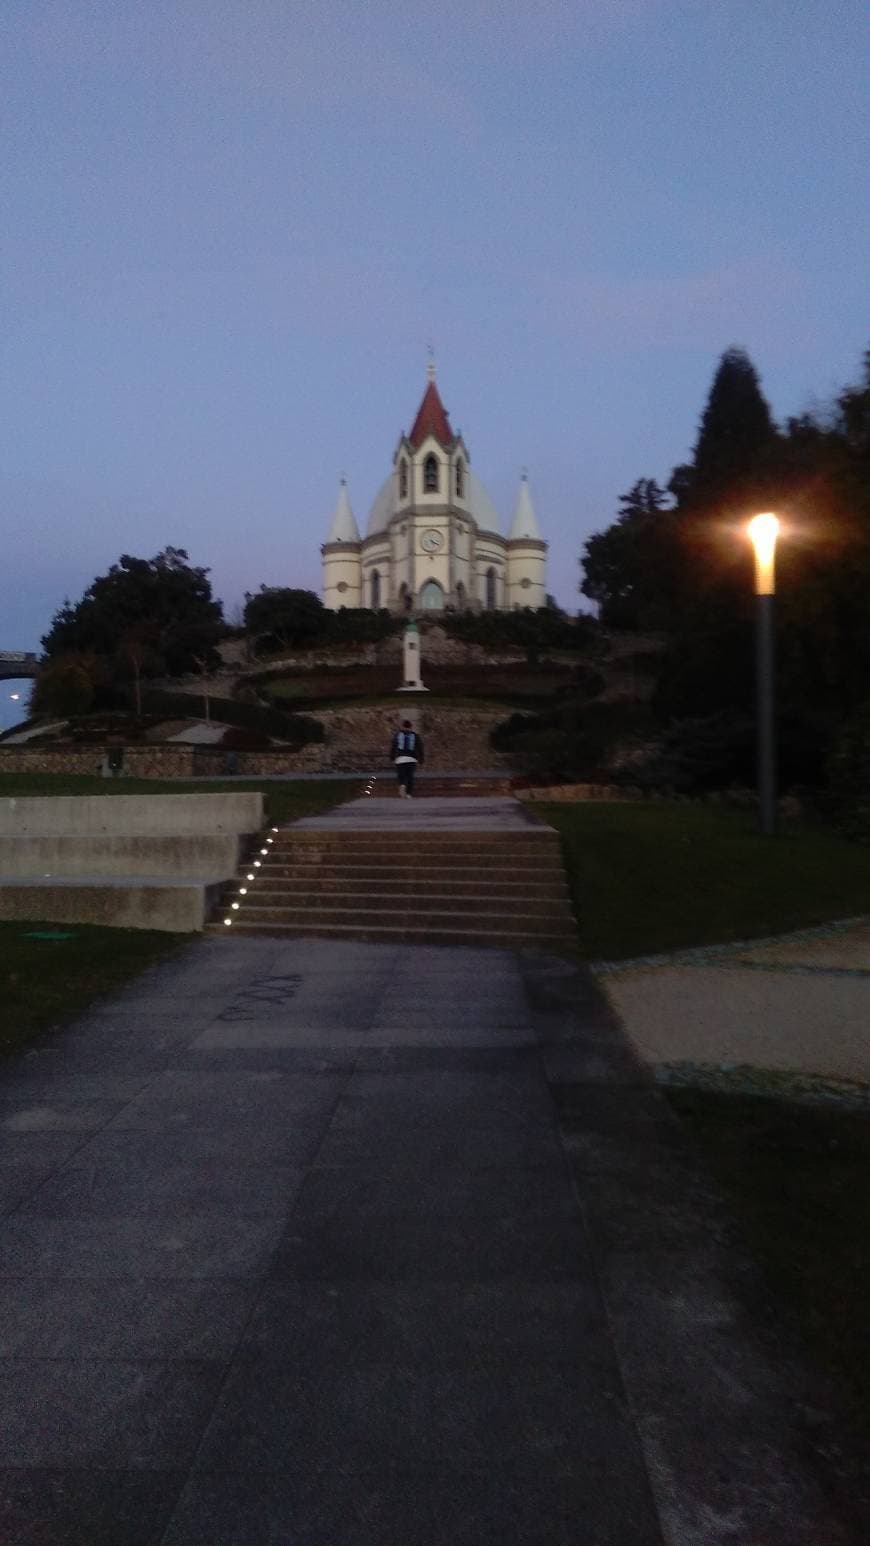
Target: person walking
point(406, 752)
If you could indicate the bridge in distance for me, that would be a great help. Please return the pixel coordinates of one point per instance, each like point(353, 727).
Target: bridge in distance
point(15, 664)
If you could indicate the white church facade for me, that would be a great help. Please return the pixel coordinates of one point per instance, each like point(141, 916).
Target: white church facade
point(432, 539)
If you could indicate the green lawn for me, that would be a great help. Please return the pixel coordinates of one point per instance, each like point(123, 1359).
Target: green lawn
point(505, 703)
point(649, 878)
point(799, 1179)
point(47, 981)
point(284, 801)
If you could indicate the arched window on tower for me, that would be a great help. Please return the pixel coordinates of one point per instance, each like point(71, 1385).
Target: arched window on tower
point(491, 601)
point(432, 597)
point(460, 479)
point(375, 587)
point(404, 597)
point(461, 598)
point(430, 475)
point(403, 479)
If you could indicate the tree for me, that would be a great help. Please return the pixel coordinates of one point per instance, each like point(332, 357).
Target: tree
point(627, 568)
point(68, 684)
point(817, 476)
point(279, 617)
point(138, 653)
point(824, 560)
point(694, 559)
point(164, 597)
point(736, 438)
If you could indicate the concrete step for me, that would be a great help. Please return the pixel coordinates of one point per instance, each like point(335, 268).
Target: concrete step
point(443, 789)
point(416, 841)
point(564, 942)
point(259, 902)
point(458, 842)
point(535, 868)
point(459, 858)
point(421, 916)
point(350, 885)
point(467, 887)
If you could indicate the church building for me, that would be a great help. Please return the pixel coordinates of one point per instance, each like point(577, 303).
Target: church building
point(433, 539)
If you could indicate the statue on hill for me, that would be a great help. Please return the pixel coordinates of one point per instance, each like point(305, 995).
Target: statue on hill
point(411, 680)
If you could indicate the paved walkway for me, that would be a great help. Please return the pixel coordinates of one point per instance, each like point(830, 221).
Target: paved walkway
point(371, 1245)
point(800, 1003)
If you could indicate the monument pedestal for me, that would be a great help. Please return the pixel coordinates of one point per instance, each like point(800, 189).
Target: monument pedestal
point(411, 661)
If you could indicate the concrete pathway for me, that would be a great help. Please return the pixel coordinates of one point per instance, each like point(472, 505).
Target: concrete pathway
point(369, 1245)
point(800, 1003)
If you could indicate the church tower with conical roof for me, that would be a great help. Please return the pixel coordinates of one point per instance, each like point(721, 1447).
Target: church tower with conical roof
point(433, 540)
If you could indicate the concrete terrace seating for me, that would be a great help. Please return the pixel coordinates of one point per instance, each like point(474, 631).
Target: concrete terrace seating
point(133, 861)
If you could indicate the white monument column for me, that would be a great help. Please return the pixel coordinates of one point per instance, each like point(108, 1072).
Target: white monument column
point(411, 660)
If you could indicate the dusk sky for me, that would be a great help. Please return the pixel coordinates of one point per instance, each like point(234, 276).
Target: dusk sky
point(228, 232)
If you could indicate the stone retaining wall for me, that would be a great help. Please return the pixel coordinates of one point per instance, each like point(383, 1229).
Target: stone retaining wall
point(454, 739)
point(357, 740)
point(147, 815)
point(574, 794)
point(139, 761)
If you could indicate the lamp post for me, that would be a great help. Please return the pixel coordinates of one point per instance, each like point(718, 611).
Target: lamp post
point(763, 530)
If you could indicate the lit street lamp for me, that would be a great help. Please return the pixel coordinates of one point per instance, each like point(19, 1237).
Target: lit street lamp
point(763, 531)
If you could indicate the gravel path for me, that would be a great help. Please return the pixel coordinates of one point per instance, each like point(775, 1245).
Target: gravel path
point(800, 1003)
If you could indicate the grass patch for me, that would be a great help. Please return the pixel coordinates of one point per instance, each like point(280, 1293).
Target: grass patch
point(285, 801)
point(503, 702)
point(47, 981)
point(649, 878)
point(521, 683)
point(432, 700)
point(798, 1177)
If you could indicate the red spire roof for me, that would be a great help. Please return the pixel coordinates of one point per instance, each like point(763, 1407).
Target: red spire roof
point(431, 419)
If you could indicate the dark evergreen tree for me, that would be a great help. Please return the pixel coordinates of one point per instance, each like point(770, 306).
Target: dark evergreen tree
point(627, 568)
point(816, 475)
point(736, 440)
point(165, 598)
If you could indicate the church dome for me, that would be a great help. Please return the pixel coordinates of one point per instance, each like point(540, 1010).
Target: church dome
point(480, 506)
point(384, 507)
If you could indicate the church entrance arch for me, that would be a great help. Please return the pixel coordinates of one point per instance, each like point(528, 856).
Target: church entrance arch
point(491, 599)
point(375, 584)
point(432, 597)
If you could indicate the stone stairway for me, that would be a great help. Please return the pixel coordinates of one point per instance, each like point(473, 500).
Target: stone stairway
point(503, 889)
point(429, 786)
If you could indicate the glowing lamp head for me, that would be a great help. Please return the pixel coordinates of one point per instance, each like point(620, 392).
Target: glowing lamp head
point(763, 531)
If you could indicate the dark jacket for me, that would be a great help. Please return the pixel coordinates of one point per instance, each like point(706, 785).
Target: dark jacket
point(401, 748)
